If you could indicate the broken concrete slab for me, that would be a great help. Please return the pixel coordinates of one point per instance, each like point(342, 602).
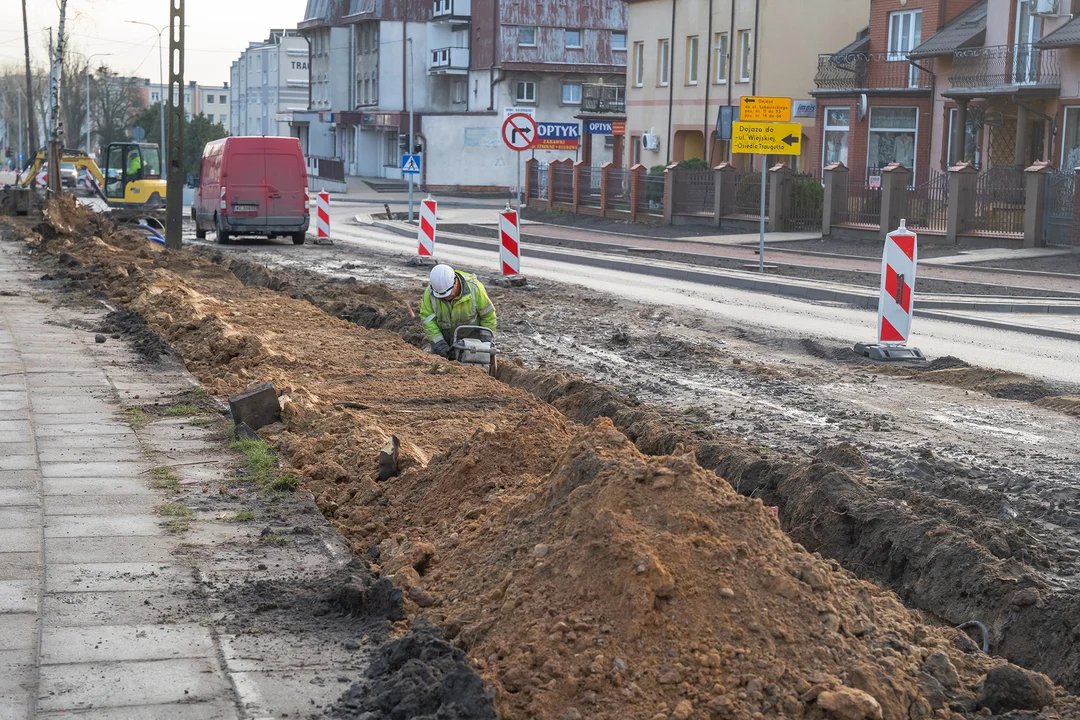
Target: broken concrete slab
point(257, 407)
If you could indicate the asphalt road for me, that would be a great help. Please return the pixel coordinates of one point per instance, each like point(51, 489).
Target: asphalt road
point(1047, 358)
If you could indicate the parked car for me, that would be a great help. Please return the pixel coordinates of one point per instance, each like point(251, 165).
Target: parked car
point(69, 175)
point(253, 186)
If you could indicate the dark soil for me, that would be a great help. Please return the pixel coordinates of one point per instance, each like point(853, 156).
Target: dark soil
point(419, 677)
point(130, 325)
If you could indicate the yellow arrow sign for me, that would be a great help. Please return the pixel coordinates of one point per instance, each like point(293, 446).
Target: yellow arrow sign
point(762, 138)
point(765, 109)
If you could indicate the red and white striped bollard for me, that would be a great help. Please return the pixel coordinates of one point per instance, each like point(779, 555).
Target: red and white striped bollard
point(428, 223)
point(510, 242)
point(322, 223)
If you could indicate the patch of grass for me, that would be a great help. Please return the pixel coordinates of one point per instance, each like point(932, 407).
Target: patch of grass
point(276, 540)
point(164, 477)
point(200, 393)
point(202, 421)
point(174, 510)
point(182, 410)
point(243, 516)
point(177, 525)
point(135, 416)
point(262, 467)
point(41, 300)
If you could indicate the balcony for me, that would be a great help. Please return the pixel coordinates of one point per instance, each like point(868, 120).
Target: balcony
point(449, 61)
point(871, 73)
point(1005, 70)
point(451, 11)
point(603, 99)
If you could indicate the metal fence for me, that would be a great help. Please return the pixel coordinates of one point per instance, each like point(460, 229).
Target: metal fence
point(863, 70)
point(807, 203)
point(562, 184)
point(538, 182)
point(589, 186)
point(693, 192)
point(651, 199)
point(863, 204)
point(999, 201)
point(747, 201)
point(1060, 202)
point(618, 189)
point(928, 204)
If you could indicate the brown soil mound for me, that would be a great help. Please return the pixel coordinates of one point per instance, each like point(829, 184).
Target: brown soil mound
point(582, 578)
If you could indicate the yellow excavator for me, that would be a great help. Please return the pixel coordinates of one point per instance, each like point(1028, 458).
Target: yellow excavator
point(132, 177)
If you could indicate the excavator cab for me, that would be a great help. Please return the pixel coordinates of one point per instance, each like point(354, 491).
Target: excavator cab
point(133, 175)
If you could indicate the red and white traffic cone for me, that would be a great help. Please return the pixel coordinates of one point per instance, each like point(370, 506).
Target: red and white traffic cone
point(897, 302)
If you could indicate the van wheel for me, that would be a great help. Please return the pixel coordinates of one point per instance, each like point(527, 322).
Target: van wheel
point(299, 238)
point(200, 234)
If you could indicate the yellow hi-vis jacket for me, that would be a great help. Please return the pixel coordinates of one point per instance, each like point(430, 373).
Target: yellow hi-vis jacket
point(471, 307)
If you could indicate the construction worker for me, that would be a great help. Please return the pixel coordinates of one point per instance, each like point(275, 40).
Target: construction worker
point(134, 165)
point(453, 299)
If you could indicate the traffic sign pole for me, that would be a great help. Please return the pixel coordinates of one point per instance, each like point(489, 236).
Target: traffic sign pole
point(761, 238)
point(520, 133)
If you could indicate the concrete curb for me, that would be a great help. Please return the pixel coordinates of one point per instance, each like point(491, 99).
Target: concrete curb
point(999, 325)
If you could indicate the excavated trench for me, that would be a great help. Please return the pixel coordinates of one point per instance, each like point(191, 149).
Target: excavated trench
point(575, 569)
point(827, 503)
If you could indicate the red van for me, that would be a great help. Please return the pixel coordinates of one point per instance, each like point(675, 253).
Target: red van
point(253, 186)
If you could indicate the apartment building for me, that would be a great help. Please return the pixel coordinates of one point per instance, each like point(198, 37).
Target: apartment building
point(152, 93)
point(459, 65)
point(693, 60)
point(929, 84)
point(268, 83)
point(214, 102)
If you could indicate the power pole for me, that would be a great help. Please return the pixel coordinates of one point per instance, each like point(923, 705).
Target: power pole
point(31, 125)
point(56, 140)
point(174, 191)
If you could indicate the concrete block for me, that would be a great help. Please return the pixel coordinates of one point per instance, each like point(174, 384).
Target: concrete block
point(81, 551)
point(19, 540)
point(257, 407)
point(18, 631)
point(91, 526)
point(118, 643)
point(95, 487)
point(18, 462)
point(91, 609)
point(103, 506)
point(21, 566)
point(114, 577)
point(24, 496)
point(210, 710)
point(18, 596)
point(93, 469)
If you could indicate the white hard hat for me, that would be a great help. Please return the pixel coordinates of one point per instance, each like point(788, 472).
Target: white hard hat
point(443, 281)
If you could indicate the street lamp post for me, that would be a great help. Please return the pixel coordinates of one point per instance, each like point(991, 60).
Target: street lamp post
point(161, 81)
point(412, 108)
point(88, 96)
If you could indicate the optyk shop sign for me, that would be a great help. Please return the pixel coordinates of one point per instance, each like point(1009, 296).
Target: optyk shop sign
point(607, 127)
point(558, 136)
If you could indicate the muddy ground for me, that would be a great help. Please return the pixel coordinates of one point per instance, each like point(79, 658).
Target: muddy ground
point(955, 458)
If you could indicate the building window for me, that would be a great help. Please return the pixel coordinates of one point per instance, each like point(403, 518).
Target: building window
point(639, 64)
point(744, 56)
point(905, 32)
point(836, 136)
point(210, 99)
point(571, 93)
point(223, 99)
point(893, 134)
point(1070, 141)
point(210, 117)
point(461, 89)
point(971, 141)
point(691, 60)
point(526, 92)
point(663, 62)
point(526, 35)
point(618, 41)
point(573, 38)
point(720, 47)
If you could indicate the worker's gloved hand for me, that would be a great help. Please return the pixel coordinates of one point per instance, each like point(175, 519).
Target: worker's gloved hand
point(441, 348)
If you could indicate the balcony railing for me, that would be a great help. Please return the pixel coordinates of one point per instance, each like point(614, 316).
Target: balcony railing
point(870, 71)
point(450, 60)
point(451, 10)
point(1005, 67)
point(603, 99)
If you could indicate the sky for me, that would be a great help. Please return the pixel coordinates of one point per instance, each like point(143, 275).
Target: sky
point(218, 31)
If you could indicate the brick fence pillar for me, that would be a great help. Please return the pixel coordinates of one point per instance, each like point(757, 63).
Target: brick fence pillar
point(637, 189)
point(961, 212)
point(551, 183)
point(669, 197)
point(779, 207)
point(895, 180)
point(724, 197)
point(577, 184)
point(834, 211)
point(531, 166)
point(1037, 180)
point(604, 180)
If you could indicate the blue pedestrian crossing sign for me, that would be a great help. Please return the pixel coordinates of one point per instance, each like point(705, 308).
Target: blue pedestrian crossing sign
point(410, 164)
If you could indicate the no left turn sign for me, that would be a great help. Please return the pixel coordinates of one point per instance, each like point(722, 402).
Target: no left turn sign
point(520, 132)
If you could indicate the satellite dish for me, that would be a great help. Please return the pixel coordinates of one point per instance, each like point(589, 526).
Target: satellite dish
point(863, 106)
point(138, 134)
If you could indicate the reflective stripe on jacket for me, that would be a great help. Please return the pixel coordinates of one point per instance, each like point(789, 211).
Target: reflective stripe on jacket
point(471, 307)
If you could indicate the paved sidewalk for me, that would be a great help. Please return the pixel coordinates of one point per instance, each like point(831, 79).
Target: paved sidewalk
point(105, 612)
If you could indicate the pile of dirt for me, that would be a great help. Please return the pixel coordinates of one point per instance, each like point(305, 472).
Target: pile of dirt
point(147, 343)
point(580, 577)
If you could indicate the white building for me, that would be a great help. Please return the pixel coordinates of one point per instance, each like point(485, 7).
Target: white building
point(268, 84)
point(375, 60)
point(215, 103)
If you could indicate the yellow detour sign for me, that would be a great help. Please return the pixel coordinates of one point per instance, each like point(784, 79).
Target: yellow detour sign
point(761, 138)
point(765, 109)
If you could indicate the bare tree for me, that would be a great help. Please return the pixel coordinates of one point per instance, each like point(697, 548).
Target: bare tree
point(73, 100)
point(116, 102)
point(31, 124)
